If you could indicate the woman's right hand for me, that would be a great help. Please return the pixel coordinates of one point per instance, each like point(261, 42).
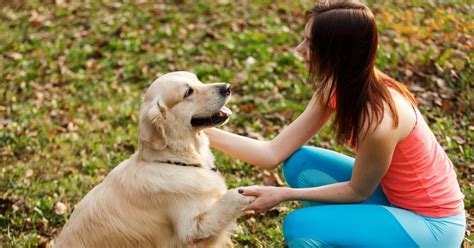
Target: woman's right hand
point(266, 197)
point(268, 154)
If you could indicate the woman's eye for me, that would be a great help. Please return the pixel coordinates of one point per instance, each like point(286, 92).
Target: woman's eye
point(188, 92)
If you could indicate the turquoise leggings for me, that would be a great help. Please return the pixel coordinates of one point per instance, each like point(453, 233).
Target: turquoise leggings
point(372, 223)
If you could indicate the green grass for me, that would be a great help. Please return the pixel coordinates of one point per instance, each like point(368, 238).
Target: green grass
point(72, 77)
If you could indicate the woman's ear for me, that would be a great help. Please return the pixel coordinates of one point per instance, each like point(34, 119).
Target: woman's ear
point(151, 127)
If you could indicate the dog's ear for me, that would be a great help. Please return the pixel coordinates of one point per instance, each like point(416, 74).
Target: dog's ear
point(152, 130)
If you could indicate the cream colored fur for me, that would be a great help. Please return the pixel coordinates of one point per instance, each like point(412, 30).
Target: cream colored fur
point(143, 203)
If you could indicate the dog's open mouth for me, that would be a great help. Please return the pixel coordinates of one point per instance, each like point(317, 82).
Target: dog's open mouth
point(216, 119)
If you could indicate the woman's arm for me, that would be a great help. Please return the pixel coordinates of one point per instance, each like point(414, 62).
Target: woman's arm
point(268, 154)
point(371, 163)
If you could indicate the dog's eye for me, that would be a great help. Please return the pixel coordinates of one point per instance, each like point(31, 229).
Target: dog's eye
point(189, 92)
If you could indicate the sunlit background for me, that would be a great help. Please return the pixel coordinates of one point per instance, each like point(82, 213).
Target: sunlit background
point(73, 73)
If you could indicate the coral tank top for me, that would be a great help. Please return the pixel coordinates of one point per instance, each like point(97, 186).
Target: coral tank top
point(421, 177)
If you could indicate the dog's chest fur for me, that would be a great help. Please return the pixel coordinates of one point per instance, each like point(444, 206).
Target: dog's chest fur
point(146, 197)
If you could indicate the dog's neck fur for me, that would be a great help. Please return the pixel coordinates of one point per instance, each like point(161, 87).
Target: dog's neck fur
point(182, 146)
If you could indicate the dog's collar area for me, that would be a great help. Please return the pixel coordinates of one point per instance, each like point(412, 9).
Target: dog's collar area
point(181, 164)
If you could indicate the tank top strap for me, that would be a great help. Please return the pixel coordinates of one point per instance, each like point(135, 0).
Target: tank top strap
point(416, 117)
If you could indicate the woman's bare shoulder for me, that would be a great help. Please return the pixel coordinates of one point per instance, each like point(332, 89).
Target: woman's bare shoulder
point(388, 128)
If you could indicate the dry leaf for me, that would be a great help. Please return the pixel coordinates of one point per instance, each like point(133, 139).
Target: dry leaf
point(250, 61)
point(15, 56)
point(60, 208)
point(29, 173)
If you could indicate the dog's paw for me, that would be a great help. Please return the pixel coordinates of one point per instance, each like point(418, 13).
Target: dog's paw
point(237, 200)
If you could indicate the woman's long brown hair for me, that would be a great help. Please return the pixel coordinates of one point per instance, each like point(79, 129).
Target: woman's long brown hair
point(343, 46)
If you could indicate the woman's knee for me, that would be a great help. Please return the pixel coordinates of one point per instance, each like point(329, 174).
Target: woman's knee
point(292, 167)
point(295, 226)
point(292, 225)
point(333, 167)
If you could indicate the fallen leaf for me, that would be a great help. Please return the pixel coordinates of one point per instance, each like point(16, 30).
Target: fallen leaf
point(15, 56)
point(60, 208)
point(250, 61)
point(29, 173)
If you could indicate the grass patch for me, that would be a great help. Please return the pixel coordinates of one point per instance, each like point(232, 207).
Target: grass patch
point(72, 78)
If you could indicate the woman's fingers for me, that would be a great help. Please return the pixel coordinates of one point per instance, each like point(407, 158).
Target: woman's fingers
point(251, 206)
point(255, 205)
point(259, 206)
point(249, 191)
point(260, 203)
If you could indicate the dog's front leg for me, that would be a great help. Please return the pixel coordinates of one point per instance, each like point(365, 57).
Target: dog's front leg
point(211, 223)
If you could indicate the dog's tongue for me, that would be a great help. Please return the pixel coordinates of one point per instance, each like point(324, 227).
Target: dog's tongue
point(226, 110)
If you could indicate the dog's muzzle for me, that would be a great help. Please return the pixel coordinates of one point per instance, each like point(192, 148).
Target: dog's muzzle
point(213, 120)
point(217, 118)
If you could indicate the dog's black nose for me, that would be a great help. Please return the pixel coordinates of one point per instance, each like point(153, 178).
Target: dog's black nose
point(225, 90)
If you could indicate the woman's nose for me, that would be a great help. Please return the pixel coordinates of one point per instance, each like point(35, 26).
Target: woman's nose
point(300, 49)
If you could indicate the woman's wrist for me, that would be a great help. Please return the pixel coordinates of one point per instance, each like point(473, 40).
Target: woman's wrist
point(287, 194)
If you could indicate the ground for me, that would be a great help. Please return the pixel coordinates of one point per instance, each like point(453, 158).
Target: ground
point(72, 77)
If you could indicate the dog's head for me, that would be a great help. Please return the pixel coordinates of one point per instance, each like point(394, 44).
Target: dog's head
point(177, 104)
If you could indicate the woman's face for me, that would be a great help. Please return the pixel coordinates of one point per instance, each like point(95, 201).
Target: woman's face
point(303, 47)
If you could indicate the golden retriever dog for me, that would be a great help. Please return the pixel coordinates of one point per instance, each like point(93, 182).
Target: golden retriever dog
point(167, 194)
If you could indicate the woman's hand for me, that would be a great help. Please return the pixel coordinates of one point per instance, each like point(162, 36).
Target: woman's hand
point(269, 154)
point(266, 197)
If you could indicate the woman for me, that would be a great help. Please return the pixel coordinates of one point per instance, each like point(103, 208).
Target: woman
point(401, 188)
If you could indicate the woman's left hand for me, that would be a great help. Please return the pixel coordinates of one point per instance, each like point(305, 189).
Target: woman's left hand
point(266, 197)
